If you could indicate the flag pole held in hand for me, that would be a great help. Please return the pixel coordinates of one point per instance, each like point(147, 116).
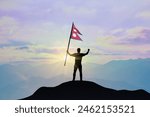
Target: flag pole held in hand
point(73, 35)
point(68, 45)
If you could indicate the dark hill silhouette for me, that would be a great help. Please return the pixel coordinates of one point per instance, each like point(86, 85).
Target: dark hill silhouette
point(86, 90)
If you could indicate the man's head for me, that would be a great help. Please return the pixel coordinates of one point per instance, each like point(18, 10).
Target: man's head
point(78, 50)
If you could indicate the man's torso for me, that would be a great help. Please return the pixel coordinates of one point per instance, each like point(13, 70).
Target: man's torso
point(78, 59)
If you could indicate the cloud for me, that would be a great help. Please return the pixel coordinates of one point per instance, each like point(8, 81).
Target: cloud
point(132, 36)
point(135, 36)
point(144, 15)
point(48, 50)
point(9, 4)
point(22, 48)
point(14, 43)
point(81, 11)
point(13, 29)
point(8, 27)
point(37, 49)
point(133, 42)
point(6, 20)
point(74, 9)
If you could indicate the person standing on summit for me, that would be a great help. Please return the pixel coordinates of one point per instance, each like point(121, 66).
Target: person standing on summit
point(78, 62)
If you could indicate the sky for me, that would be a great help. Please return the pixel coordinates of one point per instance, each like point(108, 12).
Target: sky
point(39, 31)
point(36, 34)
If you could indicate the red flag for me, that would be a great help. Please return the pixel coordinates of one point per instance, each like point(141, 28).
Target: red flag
point(75, 33)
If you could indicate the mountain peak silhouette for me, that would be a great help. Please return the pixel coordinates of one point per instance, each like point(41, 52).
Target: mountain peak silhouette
point(86, 90)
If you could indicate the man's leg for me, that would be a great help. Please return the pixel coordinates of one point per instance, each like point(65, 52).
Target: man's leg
point(74, 73)
point(80, 70)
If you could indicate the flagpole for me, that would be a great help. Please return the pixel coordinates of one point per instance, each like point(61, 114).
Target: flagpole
point(68, 45)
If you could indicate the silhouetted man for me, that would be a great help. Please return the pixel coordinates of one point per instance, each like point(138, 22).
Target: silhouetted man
point(78, 59)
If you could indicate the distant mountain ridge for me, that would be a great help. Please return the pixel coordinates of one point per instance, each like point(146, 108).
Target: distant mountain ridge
point(124, 74)
point(86, 90)
point(17, 78)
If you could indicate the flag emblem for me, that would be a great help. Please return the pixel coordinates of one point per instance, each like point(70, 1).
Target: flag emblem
point(75, 33)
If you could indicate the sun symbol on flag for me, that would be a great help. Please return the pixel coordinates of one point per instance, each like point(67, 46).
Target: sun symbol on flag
point(74, 35)
point(75, 30)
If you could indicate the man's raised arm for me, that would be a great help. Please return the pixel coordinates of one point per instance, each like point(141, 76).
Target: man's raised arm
point(69, 53)
point(87, 52)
